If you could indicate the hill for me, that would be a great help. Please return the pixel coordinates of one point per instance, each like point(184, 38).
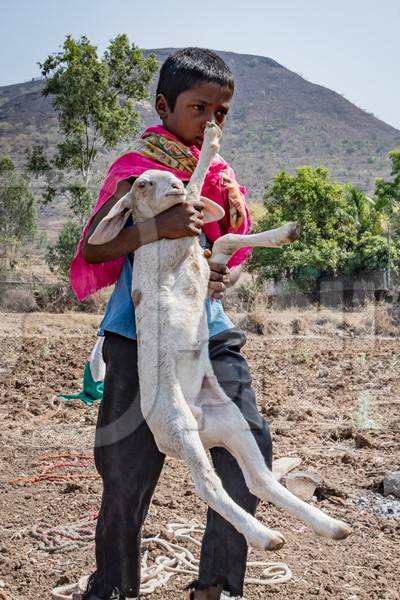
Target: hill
point(278, 121)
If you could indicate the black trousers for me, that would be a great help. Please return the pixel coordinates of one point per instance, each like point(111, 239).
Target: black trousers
point(130, 464)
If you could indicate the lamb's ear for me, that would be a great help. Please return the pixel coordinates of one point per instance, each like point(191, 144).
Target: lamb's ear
point(111, 225)
point(212, 211)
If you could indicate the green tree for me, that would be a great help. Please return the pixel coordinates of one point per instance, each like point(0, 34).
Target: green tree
point(95, 99)
point(328, 231)
point(387, 198)
point(367, 215)
point(341, 229)
point(60, 254)
point(371, 253)
point(387, 193)
point(18, 210)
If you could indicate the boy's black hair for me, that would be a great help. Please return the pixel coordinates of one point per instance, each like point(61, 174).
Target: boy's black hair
point(188, 67)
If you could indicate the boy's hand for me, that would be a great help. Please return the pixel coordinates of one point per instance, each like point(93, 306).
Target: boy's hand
point(219, 278)
point(181, 220)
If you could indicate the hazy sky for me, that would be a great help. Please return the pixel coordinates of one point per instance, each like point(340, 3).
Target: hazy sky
point(350, 46)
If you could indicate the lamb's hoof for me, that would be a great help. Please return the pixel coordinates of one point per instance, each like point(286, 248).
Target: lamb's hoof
point(294, 231)
point(214, 130)
point(341, 531)
point(276, 541)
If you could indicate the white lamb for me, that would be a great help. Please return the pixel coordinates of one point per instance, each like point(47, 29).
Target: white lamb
point(181, 400)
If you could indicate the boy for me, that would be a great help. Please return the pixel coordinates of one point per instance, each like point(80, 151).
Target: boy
point(195, 86)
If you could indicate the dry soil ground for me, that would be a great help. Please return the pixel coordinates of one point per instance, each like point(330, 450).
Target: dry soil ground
point(313, 389)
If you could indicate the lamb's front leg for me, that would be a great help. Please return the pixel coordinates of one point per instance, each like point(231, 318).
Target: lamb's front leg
point(210, 148)
point(226, 245)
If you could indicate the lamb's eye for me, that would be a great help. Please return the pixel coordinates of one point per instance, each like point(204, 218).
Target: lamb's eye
point(151, 183)
point(142, 184)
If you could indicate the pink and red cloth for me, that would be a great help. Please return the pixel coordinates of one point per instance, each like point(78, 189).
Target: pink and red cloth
point(158, 149)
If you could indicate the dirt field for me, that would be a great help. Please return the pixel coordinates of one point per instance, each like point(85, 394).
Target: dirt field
point(313, 389)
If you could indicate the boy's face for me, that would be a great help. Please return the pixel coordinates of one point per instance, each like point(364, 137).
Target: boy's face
point(193, 108)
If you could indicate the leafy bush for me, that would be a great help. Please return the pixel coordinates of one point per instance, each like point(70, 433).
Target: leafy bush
point(59, 256)
point(341, 229)
point(18, 210)
point(18, 213)
point(372, 253)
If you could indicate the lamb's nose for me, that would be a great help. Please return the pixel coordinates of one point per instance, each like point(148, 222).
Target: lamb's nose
point(177, 185)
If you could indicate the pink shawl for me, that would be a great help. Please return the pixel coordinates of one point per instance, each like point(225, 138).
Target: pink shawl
point(87, 278)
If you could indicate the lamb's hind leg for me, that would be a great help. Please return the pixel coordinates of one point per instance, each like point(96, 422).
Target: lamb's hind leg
point(224, 425)
point(180, 437)
point(176, 433)
point(210, 489)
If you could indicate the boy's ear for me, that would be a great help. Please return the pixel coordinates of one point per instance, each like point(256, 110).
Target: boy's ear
point(212, 211)
point(111, 225)
point(162, 107)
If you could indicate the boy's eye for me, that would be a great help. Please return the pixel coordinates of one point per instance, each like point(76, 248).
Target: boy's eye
point(198, 107)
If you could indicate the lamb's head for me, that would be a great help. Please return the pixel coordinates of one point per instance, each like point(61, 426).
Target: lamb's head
point(155, 191)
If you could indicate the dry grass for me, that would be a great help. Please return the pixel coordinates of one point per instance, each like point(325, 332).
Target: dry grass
point(379, 320)
point(51, 298)
point(372, 319)
point(247, 307)
point(49, 325)
point(18, 300)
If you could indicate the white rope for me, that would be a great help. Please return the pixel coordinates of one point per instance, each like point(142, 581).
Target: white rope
point(178, 560)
